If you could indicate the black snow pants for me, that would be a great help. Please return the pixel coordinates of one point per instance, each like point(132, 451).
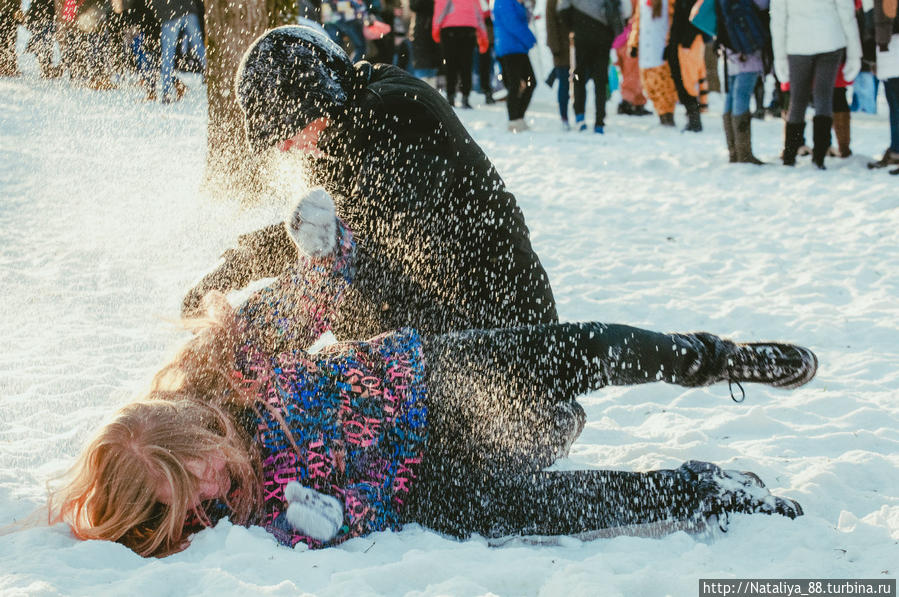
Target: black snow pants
point(520, 82)
point(501, 407)
point(457, 45)
point(591, 54)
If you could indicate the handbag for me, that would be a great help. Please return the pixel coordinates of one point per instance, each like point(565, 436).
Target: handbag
point(864, 93)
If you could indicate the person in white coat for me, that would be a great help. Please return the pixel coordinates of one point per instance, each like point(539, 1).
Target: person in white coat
point(811, 39)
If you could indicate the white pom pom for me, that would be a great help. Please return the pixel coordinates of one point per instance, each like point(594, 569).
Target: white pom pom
point(312, 513)
point(313, 224)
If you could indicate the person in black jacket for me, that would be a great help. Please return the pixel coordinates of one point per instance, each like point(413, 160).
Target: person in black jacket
point(443, 245)
point(683, 35)
point(425, 52)
point(594, 29)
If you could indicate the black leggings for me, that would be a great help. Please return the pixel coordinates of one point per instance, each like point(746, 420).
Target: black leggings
point(520, 82)
point(457, 45)
point(502, 407)
point(812, 78)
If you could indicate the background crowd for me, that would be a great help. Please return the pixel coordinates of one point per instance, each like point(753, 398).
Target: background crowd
point(658, 52)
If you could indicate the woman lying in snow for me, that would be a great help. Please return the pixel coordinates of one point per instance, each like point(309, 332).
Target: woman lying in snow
point(451, 431)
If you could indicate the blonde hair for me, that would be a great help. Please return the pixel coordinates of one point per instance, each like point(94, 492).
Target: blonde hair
point(189, 415)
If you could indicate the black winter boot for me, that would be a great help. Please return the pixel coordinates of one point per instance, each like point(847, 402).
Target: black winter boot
point(775, 364)
point(821, 126)
point(794, 133)
point(694, 123)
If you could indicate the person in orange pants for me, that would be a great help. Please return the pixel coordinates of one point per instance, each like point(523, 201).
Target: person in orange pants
point(647, 41)
point(633, 102)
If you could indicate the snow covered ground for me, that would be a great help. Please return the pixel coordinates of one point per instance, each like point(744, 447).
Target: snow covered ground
point(103, 227)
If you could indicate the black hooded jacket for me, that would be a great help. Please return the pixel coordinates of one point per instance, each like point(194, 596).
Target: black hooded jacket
point(441, 243)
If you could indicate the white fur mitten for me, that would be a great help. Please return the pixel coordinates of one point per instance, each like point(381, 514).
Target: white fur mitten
point(312, 513)
point(313, 224)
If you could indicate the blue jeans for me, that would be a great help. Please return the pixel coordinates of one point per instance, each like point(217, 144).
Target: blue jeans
point(739, 92)
point(353, 31)
point(190, 24)
point(144, 62)
point(423, 73)
point(891, 87)
point(561, 74)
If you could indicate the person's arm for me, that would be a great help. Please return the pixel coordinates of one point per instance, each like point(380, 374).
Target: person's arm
point(853, 64)
point(633, 39)
point(264, 253)
point(779, 39)
point(298, 307)
point(884, 15)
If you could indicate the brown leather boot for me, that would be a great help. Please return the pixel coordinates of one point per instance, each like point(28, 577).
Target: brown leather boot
point(743, 139)
point(841, 129)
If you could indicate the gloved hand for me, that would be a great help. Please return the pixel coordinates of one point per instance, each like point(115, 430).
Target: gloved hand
point(312, 513)
point(313, 224)
point(851, 68)
point(782, 69)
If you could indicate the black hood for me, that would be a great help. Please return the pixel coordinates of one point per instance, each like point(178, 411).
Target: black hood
point(289, 77)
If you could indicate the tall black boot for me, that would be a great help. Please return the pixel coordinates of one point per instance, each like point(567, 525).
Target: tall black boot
point(694, 122)
point(821, 126)
point(794, 133)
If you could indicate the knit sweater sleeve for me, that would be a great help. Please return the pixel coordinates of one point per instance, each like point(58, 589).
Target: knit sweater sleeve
point(299, 306)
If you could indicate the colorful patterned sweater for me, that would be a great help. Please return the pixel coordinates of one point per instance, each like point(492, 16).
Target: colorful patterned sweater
point(356, 411)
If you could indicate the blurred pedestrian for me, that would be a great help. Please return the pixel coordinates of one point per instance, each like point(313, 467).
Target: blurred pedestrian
point(648, 41)
point(886, 31)
point(744, 71)
point(811, 38)
point(458, 27)
point(425, 51)
point(594, 24)
point(633, 102)
point(177, 17)
point(514, 39)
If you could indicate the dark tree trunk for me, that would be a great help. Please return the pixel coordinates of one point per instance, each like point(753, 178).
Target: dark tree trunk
point(230, 29)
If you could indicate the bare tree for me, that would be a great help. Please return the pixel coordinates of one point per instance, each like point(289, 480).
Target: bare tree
point(231, 26)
